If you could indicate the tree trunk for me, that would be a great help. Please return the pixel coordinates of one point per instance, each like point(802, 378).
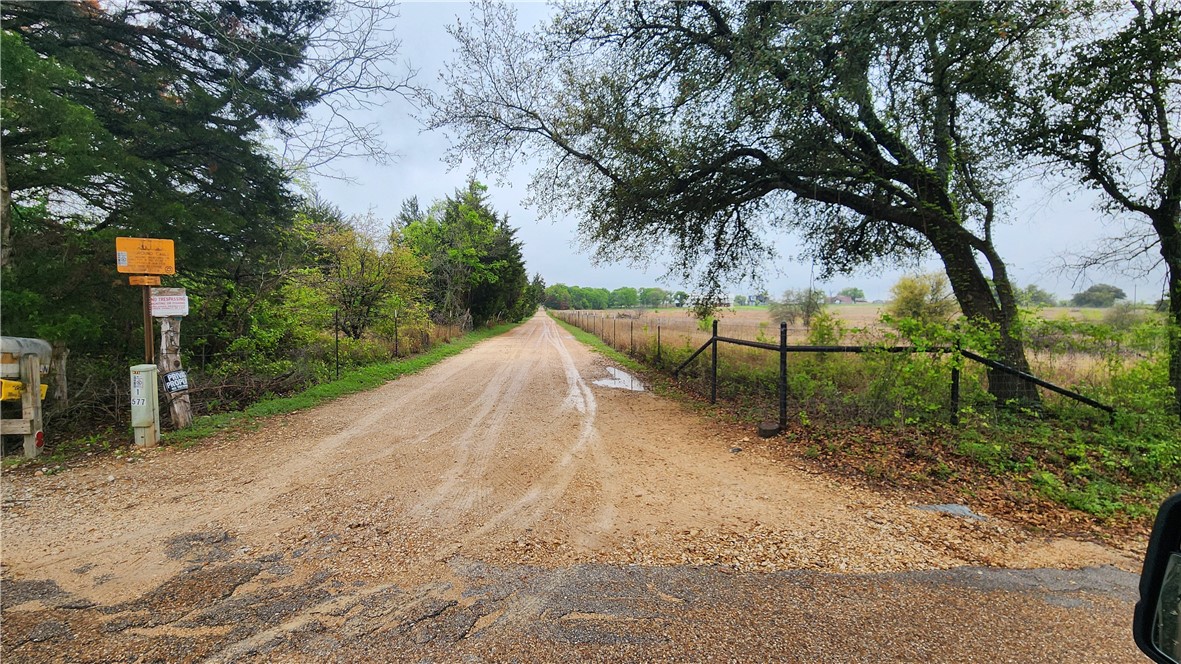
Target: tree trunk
point(57, 372)
point(1174, 332)
point(977, 301)
point(1169, 231)
point(179, 406)
point(5, 216)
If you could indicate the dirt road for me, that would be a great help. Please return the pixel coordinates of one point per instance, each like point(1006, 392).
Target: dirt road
point(502, 506)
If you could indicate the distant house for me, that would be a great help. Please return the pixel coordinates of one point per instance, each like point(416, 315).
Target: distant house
point(718, 301)
point(840, 299)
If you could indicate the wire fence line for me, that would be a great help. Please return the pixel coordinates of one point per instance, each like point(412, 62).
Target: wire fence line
point(656, 347)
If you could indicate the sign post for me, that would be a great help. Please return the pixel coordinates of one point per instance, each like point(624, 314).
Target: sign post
point(149, 352)
point(31, 404)
point(145, 259)
point(145, 256)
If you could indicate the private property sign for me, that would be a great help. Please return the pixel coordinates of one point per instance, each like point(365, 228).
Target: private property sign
point(167, 302)
point(176, 381)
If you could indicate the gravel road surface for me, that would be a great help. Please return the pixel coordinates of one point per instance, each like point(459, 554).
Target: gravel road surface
point(501, 506)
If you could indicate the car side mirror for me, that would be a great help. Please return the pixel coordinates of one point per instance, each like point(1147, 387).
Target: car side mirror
point(1157, 624)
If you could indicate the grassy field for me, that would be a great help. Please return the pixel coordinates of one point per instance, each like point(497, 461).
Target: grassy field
point(678, 332)
point(861, 322)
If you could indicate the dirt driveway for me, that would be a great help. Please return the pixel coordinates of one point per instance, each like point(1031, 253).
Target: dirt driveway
point(502, 506)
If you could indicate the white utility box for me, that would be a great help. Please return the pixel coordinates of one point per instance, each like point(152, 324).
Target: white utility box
point(145, 404)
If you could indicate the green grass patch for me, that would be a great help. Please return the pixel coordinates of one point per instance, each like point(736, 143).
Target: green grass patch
point(598, 345)
point(13, 462)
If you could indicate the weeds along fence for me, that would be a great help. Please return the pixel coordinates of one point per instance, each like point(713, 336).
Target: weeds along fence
point(243, 370)
point(871, 382)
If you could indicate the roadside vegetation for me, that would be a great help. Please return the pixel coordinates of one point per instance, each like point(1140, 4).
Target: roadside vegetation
point(199, 123)
point(350, 382)
point(874, 133)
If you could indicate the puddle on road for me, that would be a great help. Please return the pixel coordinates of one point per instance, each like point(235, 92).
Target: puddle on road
point(954, 510)
point(621, 380)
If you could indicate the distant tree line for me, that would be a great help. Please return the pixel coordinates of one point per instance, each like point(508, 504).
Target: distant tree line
point(926, 296)
point(561, 296)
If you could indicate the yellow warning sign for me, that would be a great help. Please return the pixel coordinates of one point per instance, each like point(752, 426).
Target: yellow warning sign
point(141, 255)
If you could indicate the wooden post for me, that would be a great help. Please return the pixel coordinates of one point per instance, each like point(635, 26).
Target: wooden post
point(149, 352)
point(955, 396)
point(57, 373)
point(31, 404)
point(179, 406)
point(713, 367)
point(782, 377)
point(955, 385)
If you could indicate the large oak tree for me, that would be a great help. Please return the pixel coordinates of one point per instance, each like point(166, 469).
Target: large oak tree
point(872, 129)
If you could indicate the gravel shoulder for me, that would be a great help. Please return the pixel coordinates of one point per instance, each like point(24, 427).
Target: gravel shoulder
point(485, 507)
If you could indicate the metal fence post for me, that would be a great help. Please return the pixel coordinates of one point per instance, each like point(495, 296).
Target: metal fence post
point(658, 343)
point(955, 385)
point(782, 376)
point(713, 372)
point(955, 396)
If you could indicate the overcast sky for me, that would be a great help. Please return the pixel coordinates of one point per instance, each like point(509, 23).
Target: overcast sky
point(1044, 225)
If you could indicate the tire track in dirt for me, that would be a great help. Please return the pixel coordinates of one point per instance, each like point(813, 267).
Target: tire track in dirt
point(583, 454)
point(283, 478)
point(506, 455)
point(461, 487)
